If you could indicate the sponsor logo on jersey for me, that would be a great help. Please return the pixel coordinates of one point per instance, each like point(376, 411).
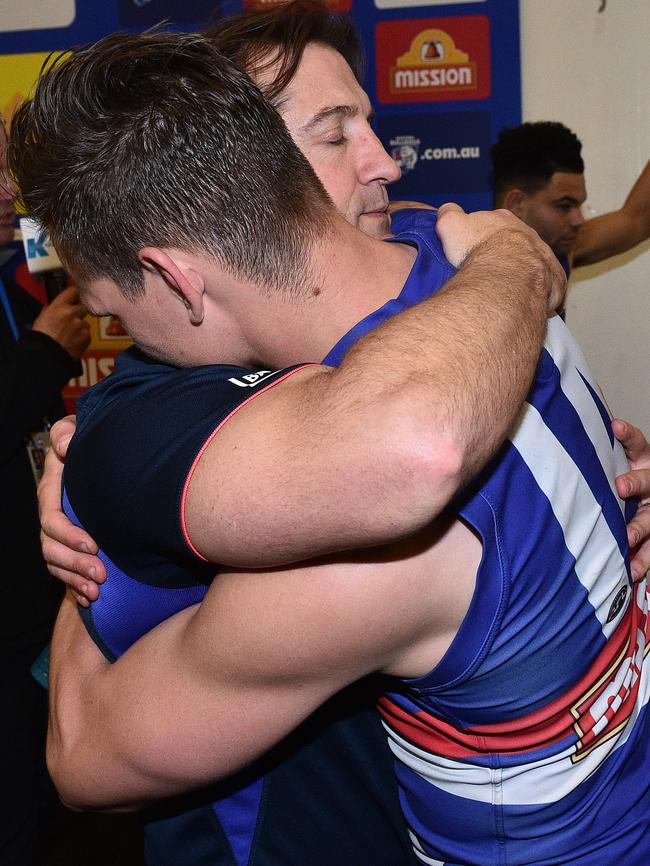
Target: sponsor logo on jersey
point(607, 706)
point(617, 604)
point(250, 380)
point(447, 58)
point(594, 710)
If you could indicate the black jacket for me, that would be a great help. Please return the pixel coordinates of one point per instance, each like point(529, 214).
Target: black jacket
point(33, 371)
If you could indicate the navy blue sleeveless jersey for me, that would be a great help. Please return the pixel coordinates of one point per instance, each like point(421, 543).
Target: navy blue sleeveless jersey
point(326, 796)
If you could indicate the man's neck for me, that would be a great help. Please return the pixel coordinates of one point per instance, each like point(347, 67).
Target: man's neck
point(351, 276)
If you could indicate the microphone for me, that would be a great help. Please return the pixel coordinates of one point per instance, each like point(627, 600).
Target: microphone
point(43, 262)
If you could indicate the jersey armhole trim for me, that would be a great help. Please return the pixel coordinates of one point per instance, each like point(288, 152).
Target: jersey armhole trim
point(207, 442)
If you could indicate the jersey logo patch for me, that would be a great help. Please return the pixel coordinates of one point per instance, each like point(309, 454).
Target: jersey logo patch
point(250, 380)
point(617, 604)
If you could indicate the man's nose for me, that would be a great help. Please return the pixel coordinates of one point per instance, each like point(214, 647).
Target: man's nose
point(377, 164)
point(577, 218)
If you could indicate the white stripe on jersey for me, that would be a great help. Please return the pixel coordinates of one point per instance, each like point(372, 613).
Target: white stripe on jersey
point(586, 532)
point(419, 852)
point(570, 361)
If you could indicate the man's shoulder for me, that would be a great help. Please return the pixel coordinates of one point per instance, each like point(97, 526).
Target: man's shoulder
point(418, 226)
point(149, 387)
point(137, 440)
point(147, 413)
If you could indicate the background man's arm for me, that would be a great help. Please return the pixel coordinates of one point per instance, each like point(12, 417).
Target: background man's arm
point(618, 231)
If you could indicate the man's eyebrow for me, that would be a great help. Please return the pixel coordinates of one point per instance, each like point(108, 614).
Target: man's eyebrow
point(568, 199)
point(327, 113)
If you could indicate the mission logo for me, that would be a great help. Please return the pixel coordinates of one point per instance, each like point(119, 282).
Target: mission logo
point(436, 59)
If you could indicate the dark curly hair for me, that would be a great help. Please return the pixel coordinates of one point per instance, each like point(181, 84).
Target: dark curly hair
point(526, 156)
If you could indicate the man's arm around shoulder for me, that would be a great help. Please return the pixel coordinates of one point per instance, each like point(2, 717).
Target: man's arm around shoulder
point(373, 450)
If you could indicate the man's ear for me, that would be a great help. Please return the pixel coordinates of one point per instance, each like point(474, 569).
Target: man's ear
point(184, 280)
point(515, 201)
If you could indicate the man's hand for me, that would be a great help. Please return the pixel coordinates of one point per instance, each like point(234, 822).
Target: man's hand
point(63, 320)
point(461, 233)
point(636, 483)
point(69, 552)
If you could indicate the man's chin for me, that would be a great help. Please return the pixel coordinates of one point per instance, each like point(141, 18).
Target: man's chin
point(564, 247)
point(376, 224)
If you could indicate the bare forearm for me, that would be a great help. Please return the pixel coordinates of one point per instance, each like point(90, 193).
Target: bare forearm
point(214, 687)
point(96, 724)
point(117, 732)
point(613, 233)
point(637, 204)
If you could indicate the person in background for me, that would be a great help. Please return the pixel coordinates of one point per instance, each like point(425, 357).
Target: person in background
point(40, 348)
point(538, 174)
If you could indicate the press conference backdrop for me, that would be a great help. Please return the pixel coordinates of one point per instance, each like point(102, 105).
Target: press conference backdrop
point(444, 77)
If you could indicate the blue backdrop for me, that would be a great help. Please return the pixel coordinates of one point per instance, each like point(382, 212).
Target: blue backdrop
point(444, 76)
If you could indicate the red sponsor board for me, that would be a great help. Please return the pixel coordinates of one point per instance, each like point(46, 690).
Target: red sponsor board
point(332, 5)
point(96, 365)
point(433, 59)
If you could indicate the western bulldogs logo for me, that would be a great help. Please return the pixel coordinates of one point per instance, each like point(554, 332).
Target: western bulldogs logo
point(405, 151)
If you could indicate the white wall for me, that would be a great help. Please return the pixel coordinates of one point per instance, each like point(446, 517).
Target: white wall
point(591, 71)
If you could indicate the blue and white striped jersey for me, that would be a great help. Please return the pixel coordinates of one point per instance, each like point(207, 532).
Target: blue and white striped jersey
point(526, 743)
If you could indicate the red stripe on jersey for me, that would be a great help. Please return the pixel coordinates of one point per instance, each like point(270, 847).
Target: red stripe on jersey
point(593, 710)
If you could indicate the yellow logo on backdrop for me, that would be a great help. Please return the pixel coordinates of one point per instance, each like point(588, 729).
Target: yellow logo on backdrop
point(433, 62)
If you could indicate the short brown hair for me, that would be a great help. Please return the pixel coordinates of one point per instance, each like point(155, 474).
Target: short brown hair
point(156, 139)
